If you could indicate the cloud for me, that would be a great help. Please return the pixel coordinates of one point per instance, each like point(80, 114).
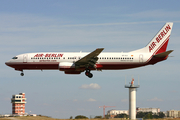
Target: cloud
point(124, 100)
point(45, 104)
point(91, 100)
point(90, 86)
point(75, 100)
point(155, 99)
point(156, 14)
point(112, 24)
point(173, 91)
point(7, 99)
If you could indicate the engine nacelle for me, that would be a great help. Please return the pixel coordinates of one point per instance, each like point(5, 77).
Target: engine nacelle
point(66, 66)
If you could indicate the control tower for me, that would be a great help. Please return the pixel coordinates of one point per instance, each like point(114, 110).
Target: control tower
point(132, 99)
point(18, 104)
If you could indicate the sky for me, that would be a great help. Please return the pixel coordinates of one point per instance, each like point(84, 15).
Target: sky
point(80, 25)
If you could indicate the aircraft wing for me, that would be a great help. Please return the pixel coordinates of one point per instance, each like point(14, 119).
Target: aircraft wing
point(90, 59)
point(164, 54)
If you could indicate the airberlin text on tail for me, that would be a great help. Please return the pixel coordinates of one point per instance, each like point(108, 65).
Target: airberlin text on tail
point(161, 39)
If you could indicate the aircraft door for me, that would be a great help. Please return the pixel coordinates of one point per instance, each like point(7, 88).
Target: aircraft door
point(140, 58)
point(25, 58)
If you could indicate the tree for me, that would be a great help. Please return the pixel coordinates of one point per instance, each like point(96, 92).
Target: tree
point(161, 115)
point(155, 116)
point(148, 115)
point(71, 117)
point(123, 115)
point(107, 116)
point(97, 117)
point(140, 115)
point(81, 117)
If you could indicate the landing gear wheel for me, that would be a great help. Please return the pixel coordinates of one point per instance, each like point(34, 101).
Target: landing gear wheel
point(90, 75)
point(22, 74)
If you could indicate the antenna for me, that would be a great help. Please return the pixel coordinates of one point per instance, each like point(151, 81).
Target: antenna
point(125, 79)
point(104, 109)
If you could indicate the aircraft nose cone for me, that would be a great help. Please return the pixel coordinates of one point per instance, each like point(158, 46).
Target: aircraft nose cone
point(7, 63)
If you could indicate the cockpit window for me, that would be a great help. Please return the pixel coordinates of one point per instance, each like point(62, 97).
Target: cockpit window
point(15, 58)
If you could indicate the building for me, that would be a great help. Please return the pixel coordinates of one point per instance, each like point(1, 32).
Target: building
point(153, 110)
point(113, 113)
point(18, 104)
point(173, 113)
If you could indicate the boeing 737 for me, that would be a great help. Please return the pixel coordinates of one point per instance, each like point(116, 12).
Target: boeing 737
point(78, 62)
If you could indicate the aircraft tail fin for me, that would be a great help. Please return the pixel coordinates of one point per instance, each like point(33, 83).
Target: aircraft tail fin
point(160, 41)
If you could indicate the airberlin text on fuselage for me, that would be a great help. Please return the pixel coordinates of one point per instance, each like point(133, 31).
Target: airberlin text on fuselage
point(48, 55)
point(159, 38)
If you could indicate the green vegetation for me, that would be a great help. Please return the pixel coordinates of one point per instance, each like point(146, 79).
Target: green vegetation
point(145, 115)
point(81, 117)
point(97, 117)
point(121, 116)
point(150, 115)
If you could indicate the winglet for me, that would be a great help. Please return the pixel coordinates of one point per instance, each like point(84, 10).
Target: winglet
point(98, 51)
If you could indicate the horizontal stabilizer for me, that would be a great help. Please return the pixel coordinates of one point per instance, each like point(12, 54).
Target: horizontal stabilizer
point(164, 54)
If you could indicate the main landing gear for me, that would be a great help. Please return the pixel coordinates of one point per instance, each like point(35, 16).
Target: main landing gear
point(87, 73)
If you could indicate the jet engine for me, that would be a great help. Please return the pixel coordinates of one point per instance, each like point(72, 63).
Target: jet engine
point(66, 66)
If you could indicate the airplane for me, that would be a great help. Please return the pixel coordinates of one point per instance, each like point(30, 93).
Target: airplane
point(78, 62)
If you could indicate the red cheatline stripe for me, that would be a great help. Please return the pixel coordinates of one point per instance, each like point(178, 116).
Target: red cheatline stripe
point(158, 49)
point(161, 45)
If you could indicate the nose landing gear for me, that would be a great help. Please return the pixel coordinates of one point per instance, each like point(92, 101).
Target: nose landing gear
point(22, 74)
